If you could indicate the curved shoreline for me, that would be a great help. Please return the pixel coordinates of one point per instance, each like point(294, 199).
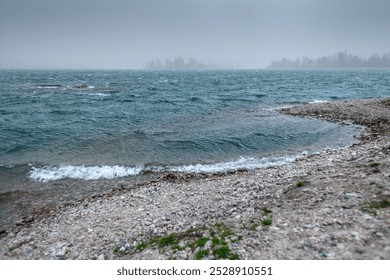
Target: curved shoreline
point(332, 205)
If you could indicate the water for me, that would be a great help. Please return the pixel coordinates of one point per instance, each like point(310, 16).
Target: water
point(123, 123)
point(61, 141)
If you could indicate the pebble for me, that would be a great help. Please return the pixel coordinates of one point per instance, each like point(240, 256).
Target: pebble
point(168, 216)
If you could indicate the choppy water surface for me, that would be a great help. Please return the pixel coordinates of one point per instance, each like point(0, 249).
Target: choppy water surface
point(109, 124)
point(65, 135)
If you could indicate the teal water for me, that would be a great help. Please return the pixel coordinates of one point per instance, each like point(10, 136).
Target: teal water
point(122, 123)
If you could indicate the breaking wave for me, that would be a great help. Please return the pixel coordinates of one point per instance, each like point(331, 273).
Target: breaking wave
point(318, 101)
point(52, 173)
point(81, 172)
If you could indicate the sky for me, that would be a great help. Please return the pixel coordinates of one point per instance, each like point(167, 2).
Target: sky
point(124, 34)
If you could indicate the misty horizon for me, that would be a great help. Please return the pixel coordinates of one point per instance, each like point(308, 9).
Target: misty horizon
point(337, 60)
point(118, 34)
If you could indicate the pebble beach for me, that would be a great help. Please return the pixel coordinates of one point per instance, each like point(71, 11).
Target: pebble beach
point(333, 204)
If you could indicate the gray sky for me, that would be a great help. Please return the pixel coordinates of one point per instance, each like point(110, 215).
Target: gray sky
point(128, 33)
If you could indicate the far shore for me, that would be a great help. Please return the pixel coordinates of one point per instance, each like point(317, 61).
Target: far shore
point(329, 205)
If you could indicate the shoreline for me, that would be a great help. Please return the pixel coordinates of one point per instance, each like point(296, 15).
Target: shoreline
point(330, 205)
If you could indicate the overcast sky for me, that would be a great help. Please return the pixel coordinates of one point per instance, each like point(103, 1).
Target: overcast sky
point(128, 33)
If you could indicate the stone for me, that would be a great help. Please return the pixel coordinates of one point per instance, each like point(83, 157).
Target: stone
point(168, 216)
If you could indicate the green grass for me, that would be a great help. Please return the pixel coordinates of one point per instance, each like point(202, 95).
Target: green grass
point(224, 230)
point(266, 211)
point(379, 204)
point(373, 205)
point(374, 164)
point(201, 254)
point(299, 184)
point(10, 249)
point(202, 241)
point(222, 252)
point(142, 246)
point(267, 222)
point(193, 241)
point(168, 240)
point(253, 226)
point(234, 257)
point(215, 241)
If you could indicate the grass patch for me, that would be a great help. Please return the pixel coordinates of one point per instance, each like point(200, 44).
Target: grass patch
point(373, 205)
point(140, 247)
point(265, 219)
point(379, 204)
point(190, 230)
point(266, 211)
point(202, 241)
point(374, 164)
point(10, 249)
point(222, 252)
point(223, 230)
point(201, 254)
point(299, 184)
point(234, 257)
point(193, 241)
point(168, 240)
point(267, 222)
point(215, 241)
point(253, 226)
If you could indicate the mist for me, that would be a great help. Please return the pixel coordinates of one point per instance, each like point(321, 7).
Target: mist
point(127, 34)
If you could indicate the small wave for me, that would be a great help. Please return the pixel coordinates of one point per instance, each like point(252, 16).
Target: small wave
point(50, 86)
point(318, 101)
point(51, 173)
point(99, 94)
point(81, 172)
point(197, 99)
point(242, 163)
point(294, 102)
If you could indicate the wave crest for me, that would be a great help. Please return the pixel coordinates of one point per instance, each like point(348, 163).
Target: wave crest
point(52, 173)
point(81, 172)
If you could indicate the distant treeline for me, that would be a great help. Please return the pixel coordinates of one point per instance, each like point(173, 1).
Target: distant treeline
point(338, 60)
point(179, 63)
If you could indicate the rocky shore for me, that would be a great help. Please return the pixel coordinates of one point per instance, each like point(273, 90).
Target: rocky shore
point(329, 205)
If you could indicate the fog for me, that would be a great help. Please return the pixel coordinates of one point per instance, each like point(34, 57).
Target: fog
point(124, 34)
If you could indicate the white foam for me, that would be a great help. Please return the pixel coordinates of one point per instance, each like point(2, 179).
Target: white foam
point(81, 172)
point(318, 101)
point(49, 87)
point(51, 173)
point(98, 94)
point(242, 163)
